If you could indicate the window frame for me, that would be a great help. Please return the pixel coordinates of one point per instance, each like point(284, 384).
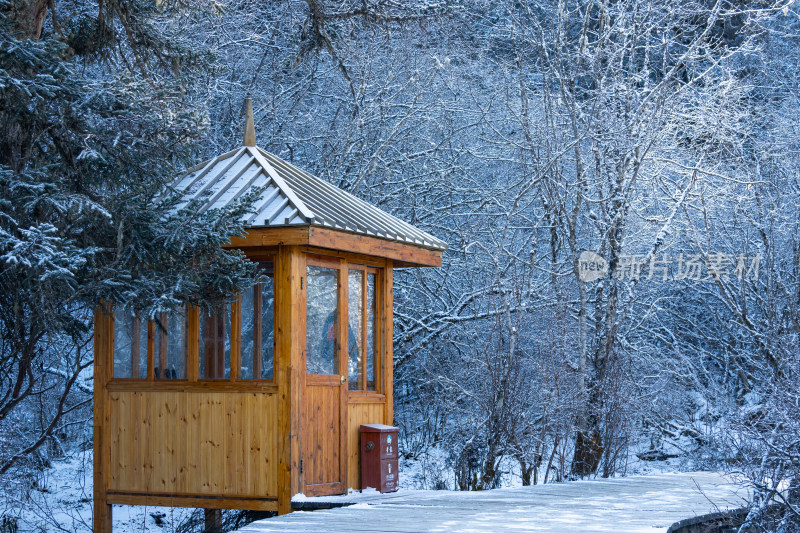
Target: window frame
point(192, 344)
point(150, 376)
point(235, 310)
point(256, 335)
point(212, 315)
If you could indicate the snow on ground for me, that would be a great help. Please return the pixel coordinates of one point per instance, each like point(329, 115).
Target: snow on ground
point(428, 470)
point(634, 504)
point(60, 499)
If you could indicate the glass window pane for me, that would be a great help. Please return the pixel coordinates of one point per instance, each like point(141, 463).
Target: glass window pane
point(267, 322)
point(372, 368)
point(321, 335)
point(250, 300)
point(215, 343)
point(178, 329)
point(257, 323)
point(130, 345)
point(170, 345)
point(355, 317)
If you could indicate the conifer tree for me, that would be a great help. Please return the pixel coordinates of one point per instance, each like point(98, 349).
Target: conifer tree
point(96, 118)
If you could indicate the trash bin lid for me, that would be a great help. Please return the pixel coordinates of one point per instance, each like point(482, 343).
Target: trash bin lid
point(378, 428)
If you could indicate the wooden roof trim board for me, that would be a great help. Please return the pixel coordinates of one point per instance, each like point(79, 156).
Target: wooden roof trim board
point(403, 254)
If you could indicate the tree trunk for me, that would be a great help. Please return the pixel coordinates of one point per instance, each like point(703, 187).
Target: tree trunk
point(16, 135)
point(488, 479)
point(28, 17)
point(528, 471)
point(588, 452)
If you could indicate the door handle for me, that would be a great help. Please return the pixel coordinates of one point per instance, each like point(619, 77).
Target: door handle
point(341, 380)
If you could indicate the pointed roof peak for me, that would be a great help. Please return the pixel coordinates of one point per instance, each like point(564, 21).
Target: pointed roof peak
point(249, 124)
point(291, 196)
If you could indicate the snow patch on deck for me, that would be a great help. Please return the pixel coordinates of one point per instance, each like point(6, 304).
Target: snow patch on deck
point(632, 504)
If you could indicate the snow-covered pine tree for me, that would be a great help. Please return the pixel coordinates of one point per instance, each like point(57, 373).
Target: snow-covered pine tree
point(97, 114)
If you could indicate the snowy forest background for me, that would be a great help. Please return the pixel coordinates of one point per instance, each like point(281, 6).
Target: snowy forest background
point(661, 136)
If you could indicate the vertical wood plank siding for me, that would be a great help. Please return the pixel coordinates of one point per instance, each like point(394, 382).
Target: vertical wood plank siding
point(198, 443)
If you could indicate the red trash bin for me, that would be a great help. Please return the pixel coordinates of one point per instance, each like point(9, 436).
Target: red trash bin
point(379, 457)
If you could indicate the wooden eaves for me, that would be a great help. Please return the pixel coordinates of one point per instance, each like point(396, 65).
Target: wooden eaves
point(402, 255)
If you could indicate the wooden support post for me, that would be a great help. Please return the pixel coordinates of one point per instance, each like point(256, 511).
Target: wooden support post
point(209, 344)
point(103, 350)
point(289, 345)
point(342, 360)
point(151, 344)
point(363, 381)
point(298, 362)
point(212, 519)
point(220, 344)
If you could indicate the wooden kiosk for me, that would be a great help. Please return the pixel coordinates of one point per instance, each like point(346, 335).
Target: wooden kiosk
point(244, 406)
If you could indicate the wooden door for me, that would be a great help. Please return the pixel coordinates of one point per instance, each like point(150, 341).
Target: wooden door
point(323, 456)
point(324, 393)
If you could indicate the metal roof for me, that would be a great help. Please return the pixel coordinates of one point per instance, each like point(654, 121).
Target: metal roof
point(291, 197)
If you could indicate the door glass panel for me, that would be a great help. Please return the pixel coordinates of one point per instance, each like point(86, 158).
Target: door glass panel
point(355, 314)
point(372, 368)
point(321, 323)
point(130, 345)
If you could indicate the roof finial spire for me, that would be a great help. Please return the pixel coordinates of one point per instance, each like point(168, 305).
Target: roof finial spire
point(249, 127)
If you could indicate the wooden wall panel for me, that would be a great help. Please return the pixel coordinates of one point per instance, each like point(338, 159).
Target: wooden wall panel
point(212, 444)
point(357, 414)
point(209, 450)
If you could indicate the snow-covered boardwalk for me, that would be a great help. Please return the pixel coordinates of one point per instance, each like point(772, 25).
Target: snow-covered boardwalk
point(633, 504)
